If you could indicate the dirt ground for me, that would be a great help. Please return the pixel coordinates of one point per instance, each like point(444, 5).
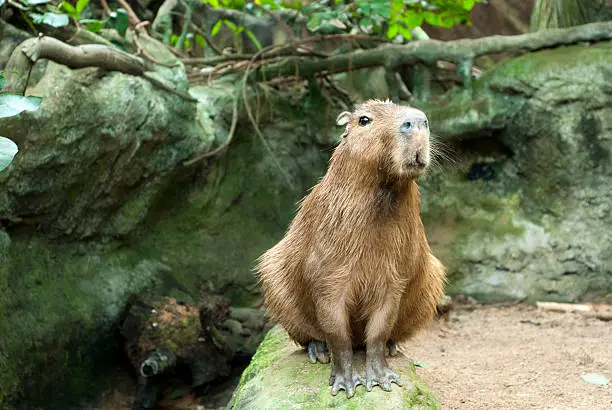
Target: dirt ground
point(515, 357)
point(494, 358)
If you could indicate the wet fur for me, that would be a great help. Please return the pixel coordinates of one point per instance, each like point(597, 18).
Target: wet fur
point(356, 252)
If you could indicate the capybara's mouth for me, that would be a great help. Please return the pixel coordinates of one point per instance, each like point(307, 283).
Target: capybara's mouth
point(414, 169)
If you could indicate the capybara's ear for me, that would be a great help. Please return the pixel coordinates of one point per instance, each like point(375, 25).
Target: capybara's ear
point(343, 118)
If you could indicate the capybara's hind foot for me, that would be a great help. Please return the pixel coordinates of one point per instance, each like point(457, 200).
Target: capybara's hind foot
point(347, 382)
point(318, 351)
point(378, 373)
point(392, 347)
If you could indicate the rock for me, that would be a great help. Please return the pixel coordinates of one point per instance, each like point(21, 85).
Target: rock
point(99, 206)
point(10, 37)
point(536, 227)
point(168, 341)
point(280, 377)
point(249, 317)
point(234, 326)
point(111, 161)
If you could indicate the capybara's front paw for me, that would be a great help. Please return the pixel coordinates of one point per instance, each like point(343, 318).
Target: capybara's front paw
point(381, 375)
point(347, 382)
point(318, 351)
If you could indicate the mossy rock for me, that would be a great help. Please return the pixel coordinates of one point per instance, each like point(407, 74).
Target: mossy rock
point(281, 377)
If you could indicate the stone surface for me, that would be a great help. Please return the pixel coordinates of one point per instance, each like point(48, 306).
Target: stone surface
point(98, 151)
point(98, 206)
point(281, 377)
point(534, 226)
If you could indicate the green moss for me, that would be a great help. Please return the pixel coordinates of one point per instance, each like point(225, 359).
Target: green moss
point(539, 65)
point(280, 376)
point(60, 299)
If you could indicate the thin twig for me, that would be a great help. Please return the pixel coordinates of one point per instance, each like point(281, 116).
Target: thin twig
point(133, 18)
point(280, 51)
point(140, 50)
point(163, 86)
point(207, 38)
point(105, 7)
point(250, 115)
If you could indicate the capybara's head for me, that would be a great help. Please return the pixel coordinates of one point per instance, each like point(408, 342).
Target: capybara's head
point(393, 137)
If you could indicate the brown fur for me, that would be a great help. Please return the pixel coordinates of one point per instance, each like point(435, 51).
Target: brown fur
point(355, 263)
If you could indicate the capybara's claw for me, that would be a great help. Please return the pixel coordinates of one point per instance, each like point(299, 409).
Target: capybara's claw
point(318, 351)
point(347, 383)
point(381, 376)
point(392, 347)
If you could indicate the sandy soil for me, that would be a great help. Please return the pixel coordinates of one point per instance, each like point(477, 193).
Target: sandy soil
point(493, 358)
point(515, 358)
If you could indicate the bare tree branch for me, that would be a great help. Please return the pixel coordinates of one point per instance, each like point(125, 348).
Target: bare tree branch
point(429, 51)
point(91, 55)
point(27, 53)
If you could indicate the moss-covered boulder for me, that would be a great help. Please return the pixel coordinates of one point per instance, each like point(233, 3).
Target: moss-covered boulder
point(524, 212)
point(281, 377)
point(100, 204)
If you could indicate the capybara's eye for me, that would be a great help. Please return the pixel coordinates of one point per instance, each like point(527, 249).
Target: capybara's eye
point(363, 121)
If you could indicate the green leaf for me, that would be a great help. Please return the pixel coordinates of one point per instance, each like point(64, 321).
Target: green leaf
point(412, 20)
point(2, 82)
point(216, 28)
point(405, 32)
point(200, 40)
point(419, 364)
point(11, 105)
point(8, 150)
point(231, 26)
point(393, 30)
point(250, 34)
point(595, 378)
point(366, 23)
point(80, 6)
point(432, 18)
point(2, 2)
point(35, 2)
point(120, 21)
point(69, 8)
point(92, 25)
point(468, 4)
point(314, 22)
point(51, 19)
point(383, 8)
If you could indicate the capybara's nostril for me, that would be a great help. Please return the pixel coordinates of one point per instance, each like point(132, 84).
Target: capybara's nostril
point(419, 158)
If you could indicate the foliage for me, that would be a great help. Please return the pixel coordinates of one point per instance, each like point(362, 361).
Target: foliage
point(57, 14)
point(376, 17)
point(11, 105)
point(394, 19)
